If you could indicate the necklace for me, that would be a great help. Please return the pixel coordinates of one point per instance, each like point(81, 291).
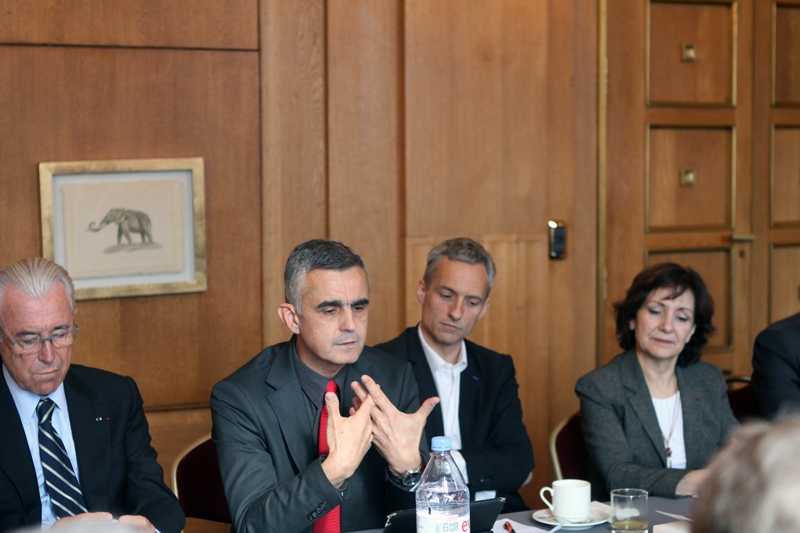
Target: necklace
point(672, 429)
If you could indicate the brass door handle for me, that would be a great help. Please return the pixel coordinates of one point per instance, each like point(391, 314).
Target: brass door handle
point(743, 237)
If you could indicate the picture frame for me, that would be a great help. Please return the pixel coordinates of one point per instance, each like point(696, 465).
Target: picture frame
point(157, 207)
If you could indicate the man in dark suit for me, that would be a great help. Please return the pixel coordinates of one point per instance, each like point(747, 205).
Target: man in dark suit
point(480, 408)
point(776, 368)
point(95, 418)
point(269, 418)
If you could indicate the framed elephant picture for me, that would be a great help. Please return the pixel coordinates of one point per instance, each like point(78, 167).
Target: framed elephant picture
point(129, 227)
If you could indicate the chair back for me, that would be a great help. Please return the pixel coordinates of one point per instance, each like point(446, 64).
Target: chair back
point(568, 449)
point(197, 482)
point(741, 399)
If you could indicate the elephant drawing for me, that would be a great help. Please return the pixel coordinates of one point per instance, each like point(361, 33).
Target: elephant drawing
point(128, 221)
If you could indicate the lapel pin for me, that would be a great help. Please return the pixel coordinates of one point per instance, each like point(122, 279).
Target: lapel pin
point(698, 398)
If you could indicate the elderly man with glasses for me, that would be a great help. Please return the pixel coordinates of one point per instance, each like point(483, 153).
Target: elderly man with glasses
point(75, 439)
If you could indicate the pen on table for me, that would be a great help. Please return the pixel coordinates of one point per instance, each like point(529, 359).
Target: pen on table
point(508, 527)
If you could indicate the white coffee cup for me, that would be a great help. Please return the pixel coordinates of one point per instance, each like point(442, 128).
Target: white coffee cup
point(571, 499)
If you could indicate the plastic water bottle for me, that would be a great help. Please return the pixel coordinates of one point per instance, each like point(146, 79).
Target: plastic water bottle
point(442, 495)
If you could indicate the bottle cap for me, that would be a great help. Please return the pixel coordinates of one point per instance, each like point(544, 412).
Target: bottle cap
point(441, 444)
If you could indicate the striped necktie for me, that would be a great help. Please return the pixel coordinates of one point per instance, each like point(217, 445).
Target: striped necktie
point(62, 484)
point(331, 522)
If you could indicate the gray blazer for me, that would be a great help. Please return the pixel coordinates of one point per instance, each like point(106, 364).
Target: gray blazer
point(622, 433)
point(272, 477)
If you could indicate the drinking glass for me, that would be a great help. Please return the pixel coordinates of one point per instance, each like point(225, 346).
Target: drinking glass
point(629, 511)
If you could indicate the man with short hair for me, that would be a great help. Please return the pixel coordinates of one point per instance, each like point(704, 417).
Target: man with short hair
point(75, 444)
point(480, 408)
point(291, 464)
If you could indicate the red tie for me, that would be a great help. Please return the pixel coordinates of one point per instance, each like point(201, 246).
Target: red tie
point(331, 522)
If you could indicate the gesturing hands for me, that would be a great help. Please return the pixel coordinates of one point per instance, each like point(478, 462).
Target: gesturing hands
point(348, 439)
point(395, 434)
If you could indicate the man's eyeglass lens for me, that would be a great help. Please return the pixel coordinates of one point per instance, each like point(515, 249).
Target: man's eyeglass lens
point(34, 345)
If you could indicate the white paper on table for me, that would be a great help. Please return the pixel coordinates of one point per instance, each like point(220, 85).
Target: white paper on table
point(519, 528)
point(600, 506)
point(681, 526)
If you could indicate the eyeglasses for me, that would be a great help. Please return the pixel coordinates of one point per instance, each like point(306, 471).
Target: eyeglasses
point(62, 339)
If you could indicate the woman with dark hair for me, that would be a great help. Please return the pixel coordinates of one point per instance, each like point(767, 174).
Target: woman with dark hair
point(655, 414)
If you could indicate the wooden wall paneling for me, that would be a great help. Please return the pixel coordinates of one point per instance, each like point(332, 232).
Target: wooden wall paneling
point(497, 143)
point(625, 240)
point(762, 166)
point(416, 259)
point(784, 282)
point(518, 324)
point(476, 110)
point(705, 203)
point(743, 250)
point(709, 28)
point(586, 240)
point(64, 103)
point(628, 110)
point(775, 121)
point(364, 168)
point(785, 193)
point(571, 196)
point(786, 42)
point(153, 23)
point(83, 104)
point(293, 142)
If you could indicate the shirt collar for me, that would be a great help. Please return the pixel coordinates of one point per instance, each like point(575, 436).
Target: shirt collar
point(312, 383)
point(26, 401)
point(435, 361)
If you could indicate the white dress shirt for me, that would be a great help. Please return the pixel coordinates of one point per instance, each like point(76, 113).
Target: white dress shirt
point(447, 378)
point(670, 421)
point(26, 403)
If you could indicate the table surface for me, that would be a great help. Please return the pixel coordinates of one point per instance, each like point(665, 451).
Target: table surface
point(681, 506)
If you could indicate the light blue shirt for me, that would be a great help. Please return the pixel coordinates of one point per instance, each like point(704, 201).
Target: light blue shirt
point(26, 402)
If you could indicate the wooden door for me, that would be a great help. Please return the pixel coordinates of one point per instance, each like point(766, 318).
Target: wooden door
point(776, 162)
point(679, 154)
point(500, 138)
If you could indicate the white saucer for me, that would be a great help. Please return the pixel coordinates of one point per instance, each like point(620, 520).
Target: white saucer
point(545, 516)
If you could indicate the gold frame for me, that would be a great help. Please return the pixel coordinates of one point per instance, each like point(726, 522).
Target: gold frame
point(47, 172)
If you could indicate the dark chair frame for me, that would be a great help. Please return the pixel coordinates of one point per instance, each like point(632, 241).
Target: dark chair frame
point(197, 482)
point(740, 398)
point(568, 450)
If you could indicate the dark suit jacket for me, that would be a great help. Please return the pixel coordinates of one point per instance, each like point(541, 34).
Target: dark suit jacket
point(776, 368)
point(117, 465)
point(622, 433)
point(494, 441)
point(273, 479)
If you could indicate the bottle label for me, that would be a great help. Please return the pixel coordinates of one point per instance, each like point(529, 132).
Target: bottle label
point(442, 523)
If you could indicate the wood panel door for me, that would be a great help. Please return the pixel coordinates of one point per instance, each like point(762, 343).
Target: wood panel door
point(776, 161)
point(679, 156)
point(499, 121)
